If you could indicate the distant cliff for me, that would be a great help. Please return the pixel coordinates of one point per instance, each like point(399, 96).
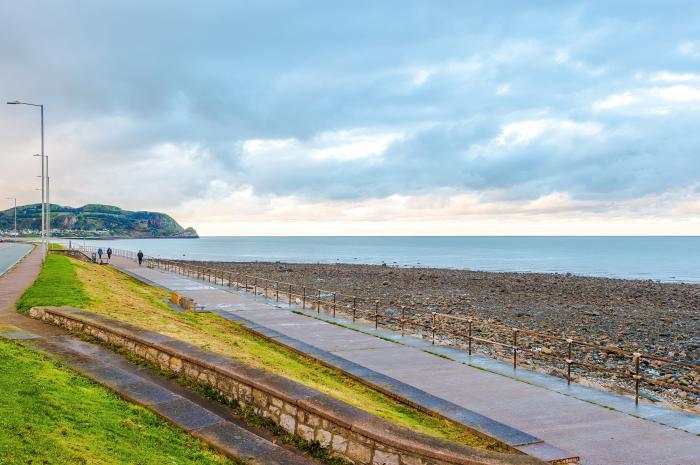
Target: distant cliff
point(95, 220)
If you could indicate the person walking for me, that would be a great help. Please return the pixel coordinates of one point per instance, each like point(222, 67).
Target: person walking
point(140, 257)
point(109, 253)
point(99, 253)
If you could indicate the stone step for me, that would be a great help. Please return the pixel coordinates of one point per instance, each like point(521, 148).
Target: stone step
point(110, 370)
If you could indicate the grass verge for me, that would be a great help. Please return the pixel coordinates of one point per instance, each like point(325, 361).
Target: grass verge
point(57, 283)
point(49, 414)
point(107, 291)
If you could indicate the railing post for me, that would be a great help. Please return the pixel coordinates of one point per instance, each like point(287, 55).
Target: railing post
point(289, 294)
point(569, 361)
point(515, 348)
point(266, 288)
point(470, 336)
point(229, 279)
point(245, 283)
point(403, 318)
point(255, 286)
point(334, 305)
point(303, 297)
point(433, 327)
point(376, 314)
point(354, 308)
point(637, 378)
point(277, 291)
point(318, 302)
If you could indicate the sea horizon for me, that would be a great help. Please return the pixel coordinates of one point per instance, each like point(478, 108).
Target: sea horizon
point(659, 258)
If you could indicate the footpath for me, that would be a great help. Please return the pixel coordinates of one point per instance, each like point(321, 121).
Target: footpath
point(566, 422)
point(210, 421)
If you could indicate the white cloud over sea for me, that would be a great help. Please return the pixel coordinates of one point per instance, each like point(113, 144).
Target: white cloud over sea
point(405, 117)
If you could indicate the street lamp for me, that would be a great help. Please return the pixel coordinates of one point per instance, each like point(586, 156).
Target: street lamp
point(43, 179)
point(15, 199)
point(43, 204)
point(48, 203)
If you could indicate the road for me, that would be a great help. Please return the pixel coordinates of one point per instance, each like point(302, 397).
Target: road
point(10, 253)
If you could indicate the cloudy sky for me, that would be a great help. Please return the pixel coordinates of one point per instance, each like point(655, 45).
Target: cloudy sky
point(353, 117)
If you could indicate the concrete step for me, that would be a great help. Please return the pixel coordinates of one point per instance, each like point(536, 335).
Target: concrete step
point(205, 419)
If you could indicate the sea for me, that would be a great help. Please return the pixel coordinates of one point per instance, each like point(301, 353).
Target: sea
point(666, 259)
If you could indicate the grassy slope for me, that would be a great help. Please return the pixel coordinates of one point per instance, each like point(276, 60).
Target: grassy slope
point(58, 284)
point(106, 291)
point(51, 415)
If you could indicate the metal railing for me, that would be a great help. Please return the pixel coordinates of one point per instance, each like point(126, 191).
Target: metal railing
point(464, 332)
point(128, 254)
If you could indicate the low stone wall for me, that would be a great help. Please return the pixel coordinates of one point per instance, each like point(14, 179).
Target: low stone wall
point(348, 432)
point(78, 255)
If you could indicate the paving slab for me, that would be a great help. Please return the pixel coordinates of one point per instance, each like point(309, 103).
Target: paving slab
point(186, 414)
point(225, 436)
point(146, 393)
point(535, 404)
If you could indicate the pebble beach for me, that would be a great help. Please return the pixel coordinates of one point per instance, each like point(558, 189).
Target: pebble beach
point(660, 319)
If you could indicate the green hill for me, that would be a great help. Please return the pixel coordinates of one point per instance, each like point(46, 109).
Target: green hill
point(95, 220)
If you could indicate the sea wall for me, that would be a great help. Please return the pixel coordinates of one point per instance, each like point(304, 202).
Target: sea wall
point(350, 433)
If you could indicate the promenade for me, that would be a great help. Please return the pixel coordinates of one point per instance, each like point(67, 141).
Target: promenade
point(598, 434)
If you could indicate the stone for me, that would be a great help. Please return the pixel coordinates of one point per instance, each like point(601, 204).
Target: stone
point(260, 398)
point(323, 437)
point(359, 452)
point(175, 364)
point(288, 423)
point(291, 409)
point(411, 460)
point(339, 443)
point(305, 432)
point(385, 458)
point(313, 420)
point(163, 358)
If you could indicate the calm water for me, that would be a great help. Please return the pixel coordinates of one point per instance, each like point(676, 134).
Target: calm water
point(657, 258)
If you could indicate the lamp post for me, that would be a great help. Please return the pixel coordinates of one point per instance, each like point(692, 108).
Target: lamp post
point(15, 199)
point(43, 204)
point(48, 203)
point(43, 179)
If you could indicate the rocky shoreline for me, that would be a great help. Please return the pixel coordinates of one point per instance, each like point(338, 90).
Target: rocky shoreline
point(659, 319)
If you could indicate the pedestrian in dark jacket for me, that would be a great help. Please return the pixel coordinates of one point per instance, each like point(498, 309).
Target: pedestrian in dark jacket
point(140, 257)
point(100, 252)
point(109, 253)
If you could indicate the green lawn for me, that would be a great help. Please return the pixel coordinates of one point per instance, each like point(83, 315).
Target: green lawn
point(50, 415)
point(56, 285)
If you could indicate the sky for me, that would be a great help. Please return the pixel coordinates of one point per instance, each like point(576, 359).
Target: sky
point(361, 117)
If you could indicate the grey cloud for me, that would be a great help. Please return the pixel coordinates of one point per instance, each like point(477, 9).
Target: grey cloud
point(219, 73)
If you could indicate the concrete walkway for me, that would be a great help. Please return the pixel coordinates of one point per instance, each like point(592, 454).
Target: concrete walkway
point(599, 435)
point(208, 420)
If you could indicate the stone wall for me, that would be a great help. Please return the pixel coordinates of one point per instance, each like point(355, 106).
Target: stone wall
point(73, 254)
point(348, 432)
